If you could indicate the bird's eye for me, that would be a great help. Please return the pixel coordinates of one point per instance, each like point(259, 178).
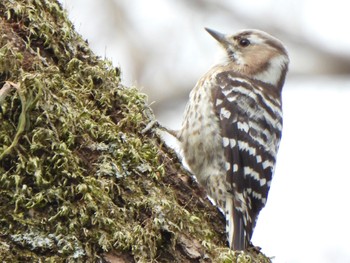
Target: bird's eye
point(244, 42)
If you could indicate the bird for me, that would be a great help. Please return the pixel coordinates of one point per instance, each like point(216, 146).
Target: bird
point(232, 128)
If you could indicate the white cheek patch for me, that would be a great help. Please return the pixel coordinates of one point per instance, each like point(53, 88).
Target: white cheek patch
point(272, 74)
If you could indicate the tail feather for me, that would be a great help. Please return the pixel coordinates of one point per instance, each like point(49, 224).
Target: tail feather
point(235, 227)
point(239, 228)
point(229, 221)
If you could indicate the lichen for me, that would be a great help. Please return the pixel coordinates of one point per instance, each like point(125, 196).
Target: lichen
point(78, 177)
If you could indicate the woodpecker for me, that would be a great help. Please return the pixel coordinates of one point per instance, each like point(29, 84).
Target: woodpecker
point(232, 128)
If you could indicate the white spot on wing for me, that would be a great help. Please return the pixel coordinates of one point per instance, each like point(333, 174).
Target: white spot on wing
point(243, 126)
point(249, 171)
point(225, 141)
point(256, 195)
point(227, 166)
point(218, 102)
point(258, 159)
point(262, 181)
point(267, 163)
point(226, 92)
point(231, 98)
point(235, 168)
point(225, 113)
point(252, 173)
point(244, 146)
point(232, 143)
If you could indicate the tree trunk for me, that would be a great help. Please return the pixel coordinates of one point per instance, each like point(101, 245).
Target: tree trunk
point(79, 180)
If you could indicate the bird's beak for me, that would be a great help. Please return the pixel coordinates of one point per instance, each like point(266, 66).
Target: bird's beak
point(221, 38)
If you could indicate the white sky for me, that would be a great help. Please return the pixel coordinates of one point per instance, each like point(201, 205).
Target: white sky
point(329, 23)
point(308, 212)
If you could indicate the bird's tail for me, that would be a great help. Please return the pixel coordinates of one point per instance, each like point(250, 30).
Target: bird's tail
point(235, 227)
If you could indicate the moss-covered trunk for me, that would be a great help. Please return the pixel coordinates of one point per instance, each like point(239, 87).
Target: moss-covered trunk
point(79, 181)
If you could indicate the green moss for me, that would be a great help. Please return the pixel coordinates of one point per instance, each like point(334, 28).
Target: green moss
point(78, 178)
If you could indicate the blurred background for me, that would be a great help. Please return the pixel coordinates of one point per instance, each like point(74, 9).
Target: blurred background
point(161, 47)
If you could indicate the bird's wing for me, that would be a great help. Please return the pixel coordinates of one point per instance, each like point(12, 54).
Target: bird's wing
point(250, 132)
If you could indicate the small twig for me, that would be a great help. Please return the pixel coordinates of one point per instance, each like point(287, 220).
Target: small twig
point(149, 126)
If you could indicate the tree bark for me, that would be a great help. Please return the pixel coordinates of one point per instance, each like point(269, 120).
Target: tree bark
point(81, 180)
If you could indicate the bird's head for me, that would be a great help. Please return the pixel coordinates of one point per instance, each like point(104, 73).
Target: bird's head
point(256, 54)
